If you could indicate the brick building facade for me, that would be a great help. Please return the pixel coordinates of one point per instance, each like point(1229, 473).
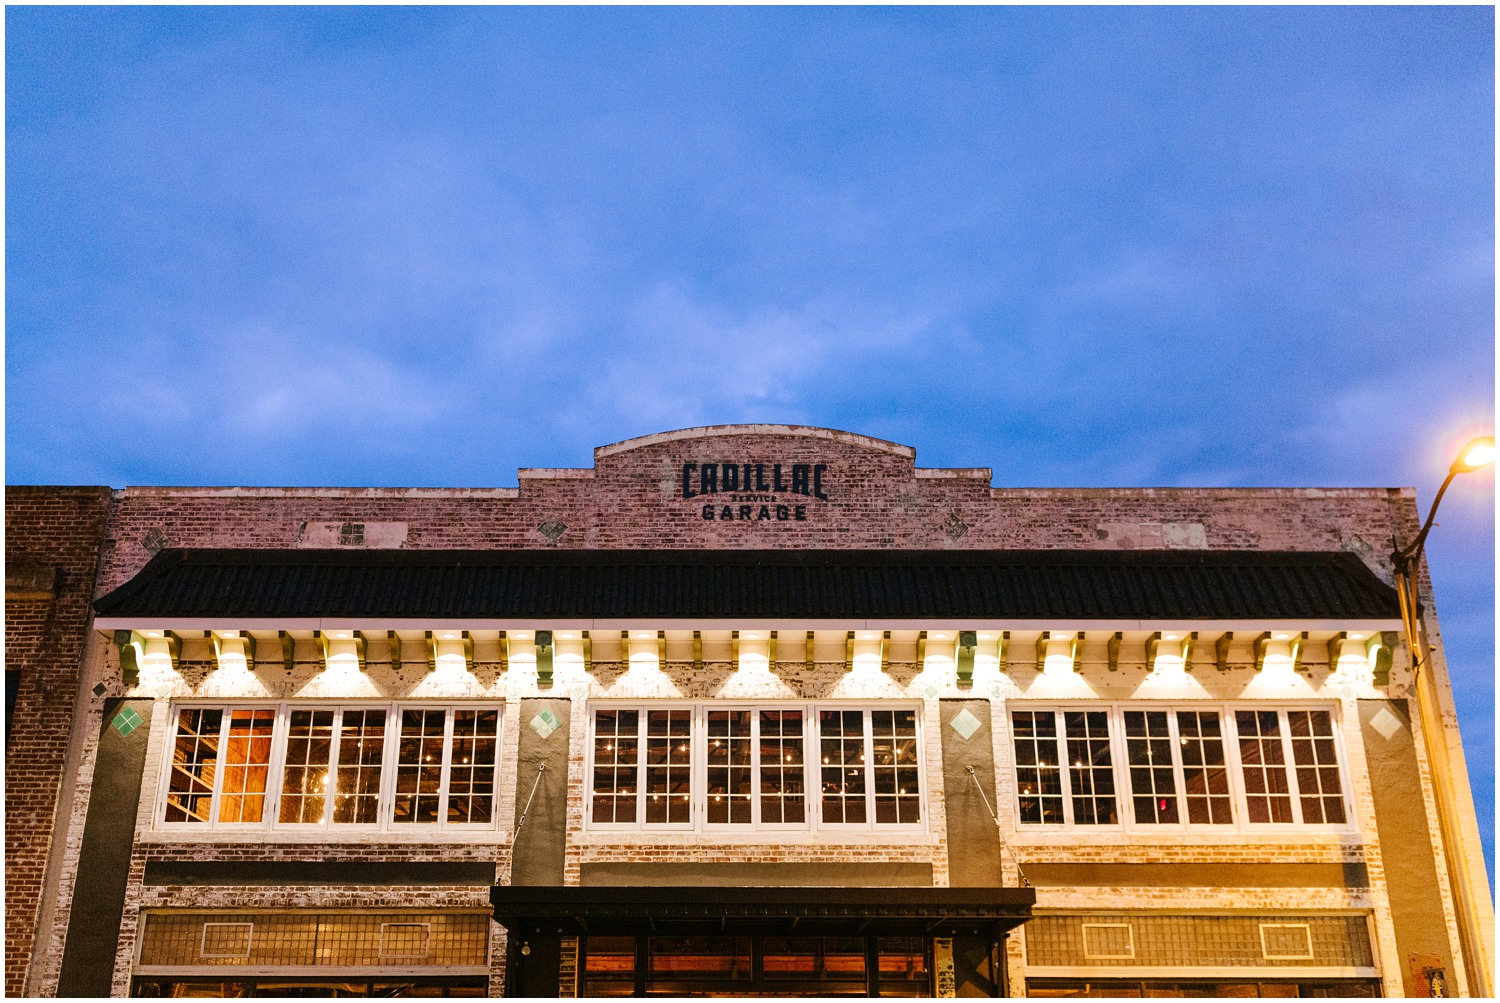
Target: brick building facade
point(759, 710)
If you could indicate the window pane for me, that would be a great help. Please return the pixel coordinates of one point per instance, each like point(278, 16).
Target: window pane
point(700, 957)
point(1267, 794)
point(782, 799)
point(304, 777)
point(1205, 777)
point(419, 765)
point(1318, 784)
point(195, 757)
point(247, 762)
point(898, 796)
point(1038, 774)
point(730, 773)
point(615, 757)
point(669, 766)
point(1090, 769)
point(1148, 747)
point(471, 770)
point(843, 767)
point(361, 752)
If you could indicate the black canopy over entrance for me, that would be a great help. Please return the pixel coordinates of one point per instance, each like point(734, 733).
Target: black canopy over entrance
point(757, 941)
point(814, 911)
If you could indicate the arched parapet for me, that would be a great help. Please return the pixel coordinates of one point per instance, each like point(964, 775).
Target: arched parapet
point(724, 431)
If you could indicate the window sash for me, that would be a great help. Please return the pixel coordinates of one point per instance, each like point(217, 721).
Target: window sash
point(752, 768)
point(1178, 774)
point(329, 767)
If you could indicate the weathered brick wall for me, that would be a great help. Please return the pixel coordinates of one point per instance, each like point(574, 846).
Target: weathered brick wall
point(57, 530)
point(876, 498)
point(634, 497)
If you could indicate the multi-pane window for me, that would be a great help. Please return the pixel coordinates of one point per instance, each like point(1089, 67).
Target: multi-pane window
point(445, 766)
point(1084, 793)
point(1039, 787)
point(782, 767)
point(332, 766)
point(720, 766)
point(1205, 773)
point(1148, 750)
point(1181, 766)
point(669, 767)
point(1263, 761)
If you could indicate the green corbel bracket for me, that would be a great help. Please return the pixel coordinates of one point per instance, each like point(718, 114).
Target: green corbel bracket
point(968, 640)
point(218, 637)
point(1114, 650)
point(1221, 650)
point(543, 657)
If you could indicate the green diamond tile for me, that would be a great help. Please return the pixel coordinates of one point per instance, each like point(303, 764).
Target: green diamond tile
point(965, 724)
point(126, 721)
point(545, 723)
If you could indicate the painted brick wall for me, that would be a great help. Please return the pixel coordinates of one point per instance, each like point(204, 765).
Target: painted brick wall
point(60, 529)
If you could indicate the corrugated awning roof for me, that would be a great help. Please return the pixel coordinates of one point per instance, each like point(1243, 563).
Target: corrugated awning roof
point(790, 584)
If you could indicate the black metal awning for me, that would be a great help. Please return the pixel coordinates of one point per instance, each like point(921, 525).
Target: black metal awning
point(803, 585)
point(607, 909)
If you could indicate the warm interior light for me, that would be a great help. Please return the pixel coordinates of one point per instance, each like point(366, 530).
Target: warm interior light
point(1478, 453)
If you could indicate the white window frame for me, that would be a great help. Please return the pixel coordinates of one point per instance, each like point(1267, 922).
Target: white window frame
point(812, 788)
point(1116, 751)
point(280, 736)
point(1229, 731)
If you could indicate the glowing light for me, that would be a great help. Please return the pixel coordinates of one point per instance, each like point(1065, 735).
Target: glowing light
point(985, 637)
point(1357, 637)
point(1478, 453)
point(449, 635)
point(1281, 637)
point(521, 635)
point(869, 637)
point(153, 633)
point(642, 634)
point(566, 636)
point(752, 637)
point(940, 637)
point(1170, 637)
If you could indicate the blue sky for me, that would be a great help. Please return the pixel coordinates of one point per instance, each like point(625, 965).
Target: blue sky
point(1104, 246)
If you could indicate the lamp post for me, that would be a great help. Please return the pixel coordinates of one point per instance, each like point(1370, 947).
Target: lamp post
point(1475, 913)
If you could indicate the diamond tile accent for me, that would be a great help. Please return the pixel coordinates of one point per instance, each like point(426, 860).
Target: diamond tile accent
point(931, 691)
point(1386, 723)
point(126, 721)
point(545, 723)
point(965, 724)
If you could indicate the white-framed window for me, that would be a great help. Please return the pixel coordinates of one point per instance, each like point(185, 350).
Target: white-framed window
point(724, 767)
point(305, 766)
point(1230, 768)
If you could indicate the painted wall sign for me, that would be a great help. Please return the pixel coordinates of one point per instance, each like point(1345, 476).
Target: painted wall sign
point(755, 492)
point(942, 968)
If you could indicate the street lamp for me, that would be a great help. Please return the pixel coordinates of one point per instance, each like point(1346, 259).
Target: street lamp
point(1476, 917)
